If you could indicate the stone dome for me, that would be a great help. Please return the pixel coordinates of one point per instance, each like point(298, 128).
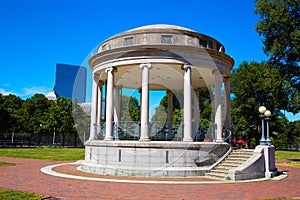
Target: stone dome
point(161, 26)
point(160, 34)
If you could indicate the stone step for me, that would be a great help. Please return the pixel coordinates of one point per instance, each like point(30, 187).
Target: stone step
point(229, 158)
point(219, 170)
point(233, 160)
point(228, 165)
point(215, 175)
point(246, 152)
point(224, 167)
point(240, 155)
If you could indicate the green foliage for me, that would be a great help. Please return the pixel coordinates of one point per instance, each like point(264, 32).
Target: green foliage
point(254, 84)
point(279, 27)
point(38, 116)
point(252, 143)
point(34, 113)
point(289, 137)
point(130, 109)
point(61, 117)
point(205, 107)
point(9, 113)
point(82, 121)
point(160, 114)
point(18, 195)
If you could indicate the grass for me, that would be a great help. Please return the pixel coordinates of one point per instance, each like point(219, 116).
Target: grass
point(289, 155)
point(292, 157)
point(18, 195)
point(62, 154)
point(3, 164)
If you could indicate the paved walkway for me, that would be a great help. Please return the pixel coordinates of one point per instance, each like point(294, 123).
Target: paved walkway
point(26, 176)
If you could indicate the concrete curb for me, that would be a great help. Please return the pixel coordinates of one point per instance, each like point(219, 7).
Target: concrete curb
point(49, 170)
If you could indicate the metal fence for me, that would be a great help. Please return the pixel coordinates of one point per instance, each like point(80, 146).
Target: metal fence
point(158, 131)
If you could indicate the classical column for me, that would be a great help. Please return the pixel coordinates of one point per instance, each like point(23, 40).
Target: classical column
point(145, 102)
point(196, 110)
point(117, 110)
point(187, 106)
point(218, 106)
point(170, 109)
point(227, 122)
point(99, 107)
point(93, 111)
point(109, 103)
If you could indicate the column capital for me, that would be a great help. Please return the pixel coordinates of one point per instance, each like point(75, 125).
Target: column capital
point(111, 69)
point(186, 67)
point(148, 65)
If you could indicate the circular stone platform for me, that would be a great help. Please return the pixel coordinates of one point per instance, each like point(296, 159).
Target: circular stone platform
point(155, 158)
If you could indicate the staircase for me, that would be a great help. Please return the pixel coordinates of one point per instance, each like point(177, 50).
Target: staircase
point(233, 160)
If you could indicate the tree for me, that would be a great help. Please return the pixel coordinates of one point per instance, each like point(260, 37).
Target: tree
point(4, 116)
point(34, 114)
point(254, 84)
point(60, 117)
point(130, 109)
point(82, 122)
point(279, 26)
point(12, 105)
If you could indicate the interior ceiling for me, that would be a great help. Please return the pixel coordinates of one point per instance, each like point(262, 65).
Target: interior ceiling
point(162, 76)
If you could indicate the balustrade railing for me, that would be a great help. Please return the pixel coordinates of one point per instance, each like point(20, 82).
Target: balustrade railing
point(158, 131)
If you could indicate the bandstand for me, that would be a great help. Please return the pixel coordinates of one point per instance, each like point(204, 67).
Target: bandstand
point(148, 58)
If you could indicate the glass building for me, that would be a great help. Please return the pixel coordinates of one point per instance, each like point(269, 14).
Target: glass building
point(70, 82)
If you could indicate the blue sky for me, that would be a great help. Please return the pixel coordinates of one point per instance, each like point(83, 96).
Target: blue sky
point(37, 34)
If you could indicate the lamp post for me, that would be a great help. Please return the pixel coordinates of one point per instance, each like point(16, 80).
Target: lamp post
point(262, 110)
point(53, 139)
point(267, 115)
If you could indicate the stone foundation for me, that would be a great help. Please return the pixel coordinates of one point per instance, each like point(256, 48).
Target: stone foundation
point(155, 158)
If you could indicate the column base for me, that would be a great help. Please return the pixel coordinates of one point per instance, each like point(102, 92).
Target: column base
point(187, 140)
point(109, 138)
point(144, 139)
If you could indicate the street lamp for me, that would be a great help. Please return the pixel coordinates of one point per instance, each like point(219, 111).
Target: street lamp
point(262, 110)
point(268, 114)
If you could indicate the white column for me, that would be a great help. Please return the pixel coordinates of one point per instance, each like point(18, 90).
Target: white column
point(99, 107)
point(117, 110)
point(93, 110)
point(145, 102)
point(170, 109)
point(218, 106)
point(227, 122)
point(187, 106)
point(109, 103)
point(196, 110)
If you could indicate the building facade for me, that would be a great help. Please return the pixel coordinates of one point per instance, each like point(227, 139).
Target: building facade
point(70, 82)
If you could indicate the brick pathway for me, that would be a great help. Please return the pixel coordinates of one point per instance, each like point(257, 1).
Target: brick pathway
point(26, 176)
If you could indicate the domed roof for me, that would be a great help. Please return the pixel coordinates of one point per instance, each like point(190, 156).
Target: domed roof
point(161, 26)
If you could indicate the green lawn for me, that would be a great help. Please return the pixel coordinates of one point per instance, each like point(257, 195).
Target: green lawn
point(6, 164)
point(292, 157)
point(18, 195)
point(289, 155)
point(45, 153)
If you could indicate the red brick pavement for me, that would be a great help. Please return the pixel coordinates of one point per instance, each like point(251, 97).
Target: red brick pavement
point(26, 176)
